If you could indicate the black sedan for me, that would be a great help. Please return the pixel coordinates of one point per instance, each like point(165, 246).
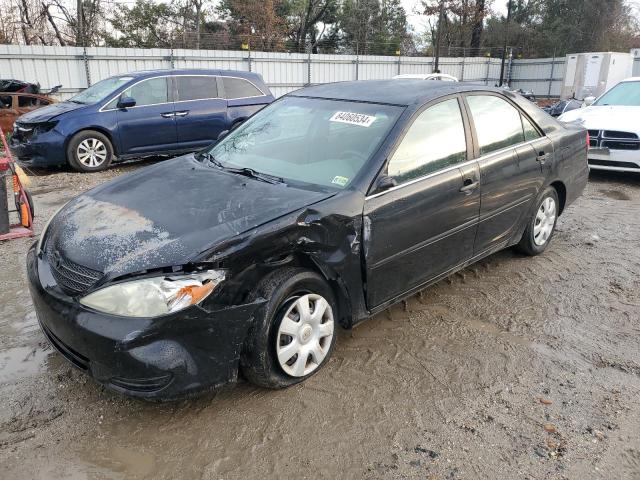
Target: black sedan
point(324, 208)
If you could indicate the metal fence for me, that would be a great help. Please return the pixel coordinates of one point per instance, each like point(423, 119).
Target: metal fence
point(75, 68)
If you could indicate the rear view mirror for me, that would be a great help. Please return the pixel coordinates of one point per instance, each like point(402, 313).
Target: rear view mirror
point(126, 102)
point(385, 182)
point(223, 134)
point(589, 100)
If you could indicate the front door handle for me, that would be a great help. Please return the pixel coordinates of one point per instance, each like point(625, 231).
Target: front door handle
point(167, 115)
point(182, 114)
point(469, 186)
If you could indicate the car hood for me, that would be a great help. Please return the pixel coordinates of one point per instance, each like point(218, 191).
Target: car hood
point(49, 112)
point(606, 117)
point(166, 215)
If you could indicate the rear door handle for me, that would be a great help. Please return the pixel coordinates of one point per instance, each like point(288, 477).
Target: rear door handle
point(182, 114)
point(469, 186)
point(167, 115)
point(542, 157)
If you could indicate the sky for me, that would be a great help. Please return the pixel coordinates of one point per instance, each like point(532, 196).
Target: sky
point(418, 22)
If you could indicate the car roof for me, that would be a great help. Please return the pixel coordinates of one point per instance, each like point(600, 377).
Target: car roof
point(398, 91)
point(190, 71)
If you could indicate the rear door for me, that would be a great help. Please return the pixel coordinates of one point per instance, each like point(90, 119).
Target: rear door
point(201, 113)
point(244, 97)
point(425, 225)
point(150, 125)
point(510, 170)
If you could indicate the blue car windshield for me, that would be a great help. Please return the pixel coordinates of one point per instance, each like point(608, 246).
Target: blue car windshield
point(100, 91)
point(309, 140)
point(625, 93)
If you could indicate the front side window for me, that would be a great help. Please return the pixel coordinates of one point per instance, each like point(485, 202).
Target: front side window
point(149, 92)
point(625, 93)
point(239, 88)
point(311, 141)
point(497, 122)
point(435, 140)
point(100, 90)
point(196, 87)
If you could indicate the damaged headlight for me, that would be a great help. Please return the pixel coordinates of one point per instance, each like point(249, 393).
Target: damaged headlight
point(152, 297)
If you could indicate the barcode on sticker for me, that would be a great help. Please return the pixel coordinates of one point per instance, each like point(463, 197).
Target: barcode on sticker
point(353, 118)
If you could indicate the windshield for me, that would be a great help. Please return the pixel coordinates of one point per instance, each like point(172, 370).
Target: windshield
point(310, 140)
point(100, 90)
point(625, 93)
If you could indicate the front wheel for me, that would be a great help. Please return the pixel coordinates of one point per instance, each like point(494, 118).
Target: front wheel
point(90, 151)
point(294, 331)
point(541, 226)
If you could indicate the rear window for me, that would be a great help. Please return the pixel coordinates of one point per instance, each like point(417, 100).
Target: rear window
point(239, 88)
point(196, 87)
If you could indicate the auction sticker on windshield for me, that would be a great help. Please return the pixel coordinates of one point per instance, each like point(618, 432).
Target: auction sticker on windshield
point(353, 118)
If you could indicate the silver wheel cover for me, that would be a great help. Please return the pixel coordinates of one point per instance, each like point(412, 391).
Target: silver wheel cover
point(91, 152)
point(305, 335)
point(545, 221)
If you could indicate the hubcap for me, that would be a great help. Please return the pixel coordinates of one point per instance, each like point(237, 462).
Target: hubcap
point(92, 152)
point(305, 335)
point(545, 221)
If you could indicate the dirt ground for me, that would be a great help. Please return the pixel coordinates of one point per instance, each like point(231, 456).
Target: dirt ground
point(513, 368)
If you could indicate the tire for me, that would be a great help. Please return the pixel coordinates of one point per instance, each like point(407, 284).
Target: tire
point(89, 151)
point(31, 206)
point(542, 224)
point(284, 291)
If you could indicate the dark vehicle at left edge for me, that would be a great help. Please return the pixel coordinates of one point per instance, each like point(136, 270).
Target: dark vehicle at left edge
point(161, 112)
point(322, 209)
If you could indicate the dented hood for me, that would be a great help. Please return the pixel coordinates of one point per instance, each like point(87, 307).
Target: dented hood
point(166, 215)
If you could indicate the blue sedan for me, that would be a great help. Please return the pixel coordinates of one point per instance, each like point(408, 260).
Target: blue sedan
point(138, 114)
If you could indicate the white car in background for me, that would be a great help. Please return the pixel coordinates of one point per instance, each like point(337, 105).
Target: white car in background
point(429, 76)
point(613, 122)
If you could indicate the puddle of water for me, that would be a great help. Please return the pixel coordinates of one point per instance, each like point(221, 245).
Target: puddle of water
point(20, 362)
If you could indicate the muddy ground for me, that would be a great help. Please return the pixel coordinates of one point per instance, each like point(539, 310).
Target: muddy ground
point(513, 368)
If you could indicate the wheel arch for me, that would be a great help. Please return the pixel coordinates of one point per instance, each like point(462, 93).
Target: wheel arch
point(561, 190)
point(94, 128)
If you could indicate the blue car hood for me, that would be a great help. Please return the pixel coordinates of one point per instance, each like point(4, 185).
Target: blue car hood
point(166, 215)
point(50, 112)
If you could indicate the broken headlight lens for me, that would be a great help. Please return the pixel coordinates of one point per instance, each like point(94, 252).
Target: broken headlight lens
point(152, 297)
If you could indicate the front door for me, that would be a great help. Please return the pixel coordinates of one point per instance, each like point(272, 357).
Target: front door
point(508, 145)
point(426, 224)
point(150, 125)
point(200, 112)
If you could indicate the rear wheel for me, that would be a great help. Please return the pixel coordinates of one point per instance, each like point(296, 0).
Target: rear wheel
point(294, 331)
point(541, 226)
point(90, 151)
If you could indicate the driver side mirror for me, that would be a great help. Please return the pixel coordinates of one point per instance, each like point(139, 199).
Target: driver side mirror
point(126, 102)
point(589, 100)
point(222, 134)
point(385, 182)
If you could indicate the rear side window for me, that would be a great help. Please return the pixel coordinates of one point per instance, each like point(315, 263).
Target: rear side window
point(149, 92)
point(196, 87)
point(498, 124)
point(435, 140)
point(239, 88)
point(530, 132)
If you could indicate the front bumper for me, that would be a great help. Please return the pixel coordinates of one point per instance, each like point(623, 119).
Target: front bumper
point(155, 358)
point(42, 150)
point(614, 160)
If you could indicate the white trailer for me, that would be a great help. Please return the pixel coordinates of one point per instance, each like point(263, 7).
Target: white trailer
point(592, 74)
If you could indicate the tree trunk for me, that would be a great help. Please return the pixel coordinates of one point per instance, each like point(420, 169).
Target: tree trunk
point(45, 8)
point(478, 25)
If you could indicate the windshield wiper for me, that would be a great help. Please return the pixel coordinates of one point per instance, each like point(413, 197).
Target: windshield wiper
point(210, 158)
point(250, 172)
point(246, 171)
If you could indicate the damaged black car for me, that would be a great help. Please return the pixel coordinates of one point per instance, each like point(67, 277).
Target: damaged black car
point(322, 209)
